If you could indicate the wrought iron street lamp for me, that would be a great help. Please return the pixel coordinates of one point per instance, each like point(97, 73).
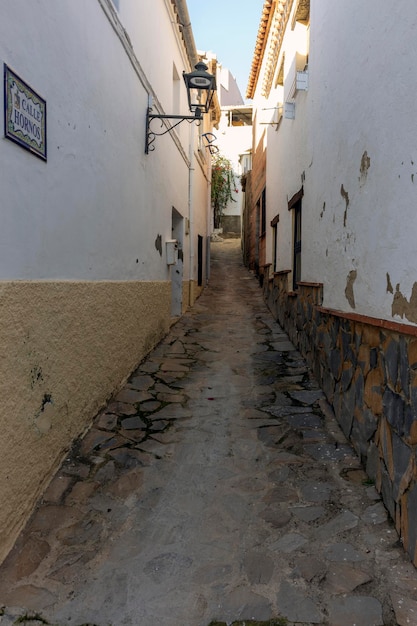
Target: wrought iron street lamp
point(200, 91)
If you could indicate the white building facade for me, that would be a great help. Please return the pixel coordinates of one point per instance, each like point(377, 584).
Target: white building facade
point(234, 141)
point(87, 288)
point(339, 268)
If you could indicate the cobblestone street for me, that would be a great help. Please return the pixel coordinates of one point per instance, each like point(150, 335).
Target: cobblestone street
point(215, 487)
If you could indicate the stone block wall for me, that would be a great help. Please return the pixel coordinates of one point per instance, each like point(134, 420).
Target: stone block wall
point(368, 371)
point(231, 224)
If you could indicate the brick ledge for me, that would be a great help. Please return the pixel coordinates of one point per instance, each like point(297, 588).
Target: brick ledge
point(397, 327)
point(304, 283)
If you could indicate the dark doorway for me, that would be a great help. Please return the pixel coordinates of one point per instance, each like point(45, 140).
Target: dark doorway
point(200, 261)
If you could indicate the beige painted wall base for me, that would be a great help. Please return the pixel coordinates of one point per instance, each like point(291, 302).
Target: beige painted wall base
point(185, 295)
point(194, 291)
point(65, 348)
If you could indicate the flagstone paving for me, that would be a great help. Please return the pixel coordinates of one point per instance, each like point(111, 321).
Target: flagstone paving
point(215, 488)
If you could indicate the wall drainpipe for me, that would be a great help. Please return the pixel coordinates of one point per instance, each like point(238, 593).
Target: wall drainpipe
point(191, 214)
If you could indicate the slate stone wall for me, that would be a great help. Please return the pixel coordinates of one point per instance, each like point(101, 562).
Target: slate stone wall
point(368, 371)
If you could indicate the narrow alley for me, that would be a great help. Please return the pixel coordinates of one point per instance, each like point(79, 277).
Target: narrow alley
point(215, 488)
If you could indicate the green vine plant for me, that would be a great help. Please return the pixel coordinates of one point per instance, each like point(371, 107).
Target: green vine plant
point(223, 185)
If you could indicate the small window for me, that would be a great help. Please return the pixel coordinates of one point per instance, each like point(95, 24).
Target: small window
point(274, 225)
point(200, 260)
point(295, 206)
point(261, 215)
point(297, 245)
point(261, 211)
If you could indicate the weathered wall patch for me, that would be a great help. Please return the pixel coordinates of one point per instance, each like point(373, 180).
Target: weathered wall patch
point(350, 296)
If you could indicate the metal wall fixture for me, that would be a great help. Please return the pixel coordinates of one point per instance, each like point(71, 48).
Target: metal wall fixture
point(210, 138)
point(200, 91)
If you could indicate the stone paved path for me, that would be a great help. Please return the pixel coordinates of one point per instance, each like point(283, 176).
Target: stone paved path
point(215, 487)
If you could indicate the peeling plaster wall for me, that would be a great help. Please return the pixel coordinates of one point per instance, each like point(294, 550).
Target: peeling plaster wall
point(351, 149)
point(364, 156)
point(349, 293)
point(403, 307)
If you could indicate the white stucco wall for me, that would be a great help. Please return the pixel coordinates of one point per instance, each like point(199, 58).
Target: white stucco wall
point(232, 142)
point(360, 105)
point(367, 97)
point(288, 147)
point(90, 212)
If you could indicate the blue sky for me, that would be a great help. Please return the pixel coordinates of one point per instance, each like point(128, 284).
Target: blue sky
point(228, 28)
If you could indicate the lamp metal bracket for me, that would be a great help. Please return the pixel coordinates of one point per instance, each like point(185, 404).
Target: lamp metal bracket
point(152, 134)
